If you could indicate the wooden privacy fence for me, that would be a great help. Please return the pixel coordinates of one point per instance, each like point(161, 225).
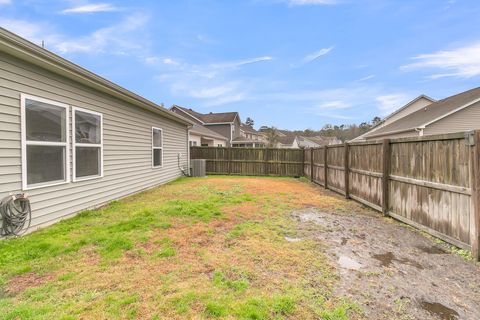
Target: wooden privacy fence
point(251, 161)
point(432, 182)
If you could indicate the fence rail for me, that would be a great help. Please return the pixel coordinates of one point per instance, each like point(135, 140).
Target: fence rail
point(432, 183)
point(251, 161)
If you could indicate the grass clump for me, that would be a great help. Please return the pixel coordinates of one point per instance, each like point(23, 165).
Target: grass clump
point(216, 309)
point(220, 280)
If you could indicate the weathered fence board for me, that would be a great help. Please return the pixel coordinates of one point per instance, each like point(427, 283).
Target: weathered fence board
point(251, 161)
point(432, 183)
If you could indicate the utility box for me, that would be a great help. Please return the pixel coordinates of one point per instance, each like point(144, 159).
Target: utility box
point(198, 167)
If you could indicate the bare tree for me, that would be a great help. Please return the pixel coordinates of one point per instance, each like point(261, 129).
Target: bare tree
point(272, 136)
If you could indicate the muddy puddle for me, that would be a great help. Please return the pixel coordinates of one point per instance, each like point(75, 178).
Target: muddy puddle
point(387, 258)
point(390, 270)
point(439, 310)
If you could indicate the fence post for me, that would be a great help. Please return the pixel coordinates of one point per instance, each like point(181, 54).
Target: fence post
point(325, 167)
point(265, 162)
point(346, 150)
point(229, 153)
point(303, 163)
point(311, 164)
point(385, 174)
point(475, 197)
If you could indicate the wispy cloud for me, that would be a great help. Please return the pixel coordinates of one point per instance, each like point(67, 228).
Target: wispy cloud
point(35, 32)
point(317, 54)
point(237, 64)
point(212, 83)
point(463, 62)
point(311, 2)
point(91, 8)
point(126, 37)
point(391, 102)
point(366, 78)
point(5, 2)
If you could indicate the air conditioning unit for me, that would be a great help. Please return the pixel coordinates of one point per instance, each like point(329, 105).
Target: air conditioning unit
point(198, 167)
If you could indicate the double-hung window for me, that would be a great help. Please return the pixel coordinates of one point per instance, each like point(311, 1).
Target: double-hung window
point(87, 144)
point(45, 141)
point(157, 147)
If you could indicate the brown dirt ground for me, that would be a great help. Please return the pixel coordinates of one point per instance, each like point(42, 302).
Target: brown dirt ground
point(390, 269)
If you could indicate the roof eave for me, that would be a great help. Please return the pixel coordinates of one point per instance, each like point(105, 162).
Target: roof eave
point(28, 51)
point(390, 132)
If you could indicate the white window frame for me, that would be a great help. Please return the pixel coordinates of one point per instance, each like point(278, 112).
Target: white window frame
point(25, 143)
point(88, 145)
point(161, 148)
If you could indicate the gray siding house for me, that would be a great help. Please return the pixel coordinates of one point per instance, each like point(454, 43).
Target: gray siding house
point(225, 124)
point(73, 140)
point(457, 113)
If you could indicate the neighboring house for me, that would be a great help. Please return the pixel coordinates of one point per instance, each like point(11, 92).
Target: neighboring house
point(317, 141)
point(249, 137)
point(460, 112)
point(226, 124)
point(287, 142)
point(74, 140)
point(290, 141)
point(202, 136)
point(416, 104)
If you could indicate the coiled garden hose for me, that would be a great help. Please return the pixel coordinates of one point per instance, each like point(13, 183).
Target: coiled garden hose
point(16, 215)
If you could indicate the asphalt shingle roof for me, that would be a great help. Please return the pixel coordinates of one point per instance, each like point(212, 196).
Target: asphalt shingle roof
point(429, 113)
point(211, 117)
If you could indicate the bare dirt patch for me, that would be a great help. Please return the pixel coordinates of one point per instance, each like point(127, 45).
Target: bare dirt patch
point(28, 280)
point(391, 270)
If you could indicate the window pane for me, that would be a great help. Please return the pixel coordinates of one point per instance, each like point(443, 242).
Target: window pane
point(87, 161)
point(157, 157)
point(45, 122)
point(157, 138)
point(87, 128)
point(45, 163)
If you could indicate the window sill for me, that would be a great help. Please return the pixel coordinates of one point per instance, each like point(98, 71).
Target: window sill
point(86, 178)
point(43, 185)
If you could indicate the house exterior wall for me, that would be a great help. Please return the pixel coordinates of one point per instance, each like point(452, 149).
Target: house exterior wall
point(463, 120)
point(222, 129)
point(127, 143)
point(219, 143)
point(417, 105)
point(195, 138)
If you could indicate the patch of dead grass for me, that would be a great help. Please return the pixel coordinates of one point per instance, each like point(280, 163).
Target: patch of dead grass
point(181, 285)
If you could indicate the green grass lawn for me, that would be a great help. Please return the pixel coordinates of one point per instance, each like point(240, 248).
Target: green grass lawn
point(192, 249)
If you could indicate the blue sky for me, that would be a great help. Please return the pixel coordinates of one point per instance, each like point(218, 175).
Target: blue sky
point(293, 64)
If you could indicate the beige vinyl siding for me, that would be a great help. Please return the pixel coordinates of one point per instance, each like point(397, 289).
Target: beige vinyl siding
point(126, 139)
point(463, 120)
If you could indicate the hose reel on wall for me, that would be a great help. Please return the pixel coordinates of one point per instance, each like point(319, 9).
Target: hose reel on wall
point(15, 215)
